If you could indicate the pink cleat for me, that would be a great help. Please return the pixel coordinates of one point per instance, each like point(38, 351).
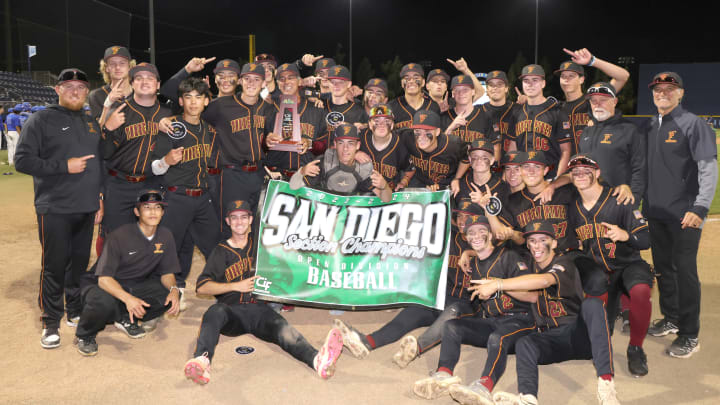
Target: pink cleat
point(328, 354)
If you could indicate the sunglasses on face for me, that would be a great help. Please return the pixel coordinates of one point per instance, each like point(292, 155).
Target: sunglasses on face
point(603, 90)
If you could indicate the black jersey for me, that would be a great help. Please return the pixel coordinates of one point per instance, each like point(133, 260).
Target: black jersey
point(502, 263)
point(523, 210)
point(241, 128)
point(128, 147)
point(403, 113)
point(539, 127)
point(502, 121)
point(587, 225)
point(197, 142)
point(130, 257)
point(477, 126)
point(457, 280)
point(575, 116)
point(96, 100)
point(496, 185)
point(560, 303)
point(439, 165)
point(227, 264)
point(390, 162)
point(312, 126)
point(349, 112)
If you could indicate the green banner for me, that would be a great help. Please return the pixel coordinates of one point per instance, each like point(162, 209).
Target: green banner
point(353, 251)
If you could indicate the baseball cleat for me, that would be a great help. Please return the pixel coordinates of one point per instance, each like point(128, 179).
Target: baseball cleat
point(407, 353)
point(506, 398)
point(606, 393)
point(329, 352)
point(436, 385)
point(132, 329)
point(198, 369)
point(87, 346)
point(683, 347)
point(50, 338)
point(637, 361)
point(474, 394)
point(72, 321)
point(662, 327)
point(352, 339)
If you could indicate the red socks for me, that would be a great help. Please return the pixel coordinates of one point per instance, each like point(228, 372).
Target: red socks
point(445, 369)
point(640, 313)
point(371, 341)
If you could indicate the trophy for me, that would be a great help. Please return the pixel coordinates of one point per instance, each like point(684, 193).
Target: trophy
point(287, 125)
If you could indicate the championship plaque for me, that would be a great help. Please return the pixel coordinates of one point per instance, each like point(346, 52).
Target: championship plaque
point(287, 125)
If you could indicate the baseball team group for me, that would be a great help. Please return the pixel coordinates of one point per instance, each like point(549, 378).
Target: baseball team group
point(552, 203)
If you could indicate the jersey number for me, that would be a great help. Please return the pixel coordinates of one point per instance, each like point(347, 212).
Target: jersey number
point(540, 143)
point(560, 230)
point(611, 249)
point(556, 309)
point(506, 302)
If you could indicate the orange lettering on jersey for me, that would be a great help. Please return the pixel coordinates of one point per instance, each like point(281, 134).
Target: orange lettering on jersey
point(606, 139)
point(240, 124)
point(670, 137)
point(237, 269)
point(158, 248)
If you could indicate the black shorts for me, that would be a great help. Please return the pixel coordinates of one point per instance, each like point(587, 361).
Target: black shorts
point(635, 273)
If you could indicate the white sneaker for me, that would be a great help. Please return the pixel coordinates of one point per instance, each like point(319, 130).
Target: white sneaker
point(474, 394)
point(606, 392)
point(198, 369)
point(72, 322)
point(408, 351)
point(506, 398)
point(50, 338)
point(183, 303)
point(436, 385)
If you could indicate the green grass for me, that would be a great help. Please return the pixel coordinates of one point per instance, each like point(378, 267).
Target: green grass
point(4, 167)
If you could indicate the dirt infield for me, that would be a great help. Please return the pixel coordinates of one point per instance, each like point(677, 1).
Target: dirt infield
point(149, 370)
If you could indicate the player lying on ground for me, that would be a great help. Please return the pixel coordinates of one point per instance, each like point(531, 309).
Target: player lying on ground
point(229, 277)
point(505, 317)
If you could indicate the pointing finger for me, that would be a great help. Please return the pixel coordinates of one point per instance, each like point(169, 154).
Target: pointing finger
point(518, 91)
point(86, 157)
point(208, 60)
point(317, 58)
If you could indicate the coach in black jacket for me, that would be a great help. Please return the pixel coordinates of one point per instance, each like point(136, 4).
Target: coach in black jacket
point(60, 148)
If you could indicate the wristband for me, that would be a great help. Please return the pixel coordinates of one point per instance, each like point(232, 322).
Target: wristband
point(175, 288)
point(592, 60)
point(108, 103)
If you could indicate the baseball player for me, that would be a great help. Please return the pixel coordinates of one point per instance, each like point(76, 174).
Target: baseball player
point(499, 108)
point(437, 158)
point(337, 170)
point(229, 276)
point(682, 176)
point(480, 175)
point(376, 92)
point(568, 326)
point(181, 158)
point(412, 80)
point(388, 153)
point(538, 123)
point(511, 164)
point(134, 277)
point(338, 108)
point(575, 111)
point(269, 63)
point(436, 85)
point(13, 135)
point(115, 67)
point(466, 121)
point(504, 318)
point(312, 123)
point(614, 234)
point(457, 304)
point(61, 149)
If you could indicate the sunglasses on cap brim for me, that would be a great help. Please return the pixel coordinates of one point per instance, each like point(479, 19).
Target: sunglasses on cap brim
point(583, 161)
point(601, 90)
point(73, 75)
point(380, 111)
point(666, 80)
point(151, 198)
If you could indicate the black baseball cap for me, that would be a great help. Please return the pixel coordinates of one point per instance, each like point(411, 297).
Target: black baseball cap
point(426, 119)
point(346, 131)
point(227, 64)
point(461, 80)
point(150, 195)
point(71, 75)
point(339, 72)
point(267, 58)
point(535, 156)
point(381, 110)
point(466, 206)
point(583, 160)
point(324, 63)
point(378, 83)
point(570, 66)
point(237, 205)
point(532, 70)
point(667, 77)
point(497, 74)
point(601, 89)
point(144, 67)
point(412, 67)
point(476, 220)
point(482, 144)
point(512, 158)
point(253, 69)
point(116, 50)
point(288, 67)
point(438, 72)
point(539, 226)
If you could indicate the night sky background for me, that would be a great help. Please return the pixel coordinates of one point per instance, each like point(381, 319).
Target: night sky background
point(488, 33)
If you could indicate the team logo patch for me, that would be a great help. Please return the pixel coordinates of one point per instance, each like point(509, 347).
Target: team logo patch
point(556, 268)
point(239, 203)
point(158, 248)
point(494, 206)
point(532, 155)
point(606, 139)
point(376, 82)
point(495, 74)
point(411, 66)
point(244, 350)
point(530, 69)
point(465, 204)
point(335, 118)
point(115, 50)
point(423, 117)
point(337, 70)
point(179, 130)
point(253, 67)
point(663, 76)
point(566, 65)
point(496, 128)
point(670, 137)
point(566, 125)
point(460, 79)
point(91, 128)
point(324, 62)
point(226, 63)
point(522, 266)
point(536, 226)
